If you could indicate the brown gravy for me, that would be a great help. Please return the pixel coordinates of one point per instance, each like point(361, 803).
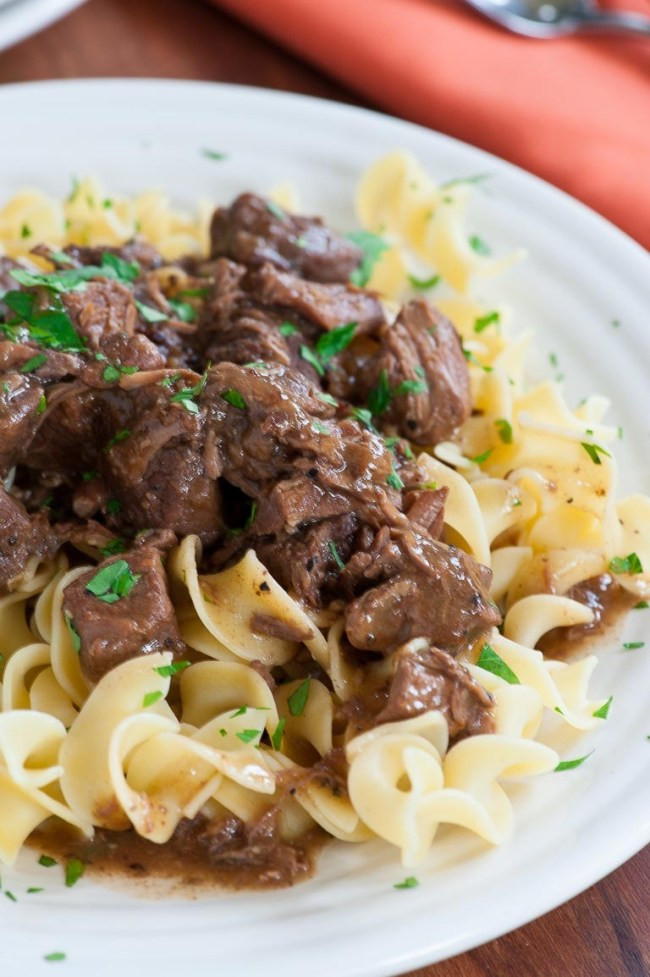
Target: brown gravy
point(610, 604)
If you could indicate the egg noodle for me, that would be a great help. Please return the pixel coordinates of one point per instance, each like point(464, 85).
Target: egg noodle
point(532, 495)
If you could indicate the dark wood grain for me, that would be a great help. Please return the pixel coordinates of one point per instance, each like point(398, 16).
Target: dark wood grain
point(605, 932)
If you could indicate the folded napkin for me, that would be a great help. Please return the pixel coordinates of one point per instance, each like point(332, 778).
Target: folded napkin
point(575, 111)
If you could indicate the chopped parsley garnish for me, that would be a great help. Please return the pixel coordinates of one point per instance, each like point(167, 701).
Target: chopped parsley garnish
point(114, 266)
point(187, 395)
point(54, 957)
point(572, 764)
point(47, 861)
point(107, 203)
point(328, 399)
point(278, 733)
point(239, 712)
point(166, 671)
point(275, 209)
point(491, 662)
point(310, 357)
point(113, 546)
point(248, 735)
point(336, 556)
point(410, 882)
point(111, 374)
point(471, 358)
point(626, 564)
point(75, 279)
point(287, 329)
point(113, 582)
point(392, 443)
point(411, 387)
point(477, 178)
point(25, 231)
point(298, 699)
point(633, 645)
point(422, 284)
point(42, 404)
point(234, 398)
point(10, 895)
point(251, 516)
point(50, 328)
point(34, 364)
point(642, 605)
point(113, 506)
point(380, 397)
point(213, 154)
point(477, 244)
point(184, 311)
point(320, 428)
point(335, 341)
point(194, 293)
point(364, 417)
point(119, 436)
point(479, 459)
point(395, 481)
point(169, 381)
point(151, 698)
point(486, 320)
point(33, 889)
point(373, 246)
point(553, 360)
point(149, 314)
point(603, 712)
point(504, 428)
point(72, 631)
point(74, 869)
point(595, 451)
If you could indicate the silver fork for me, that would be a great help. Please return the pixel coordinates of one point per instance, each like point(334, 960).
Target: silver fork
point(558, 18)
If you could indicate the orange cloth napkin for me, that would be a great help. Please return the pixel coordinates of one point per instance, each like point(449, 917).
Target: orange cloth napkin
point(575, 111)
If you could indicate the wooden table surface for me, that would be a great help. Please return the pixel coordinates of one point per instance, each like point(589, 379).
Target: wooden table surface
point(605, 932)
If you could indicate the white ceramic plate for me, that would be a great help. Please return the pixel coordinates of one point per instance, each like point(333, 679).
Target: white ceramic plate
point(20, 18)
point(572, 828)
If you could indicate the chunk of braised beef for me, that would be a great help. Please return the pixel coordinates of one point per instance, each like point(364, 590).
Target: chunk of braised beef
point(305, 561)
point(427, 678)
point(22, 537)
point(139, 623)
point(271, 425)
point(427, 372)
point(426, 509)
point(101, 309)
point(133, 251)
point(252, 231)
point(121, 356)
point(20, 403)
point(65, 440)
point(410, 586)
point(325, 305)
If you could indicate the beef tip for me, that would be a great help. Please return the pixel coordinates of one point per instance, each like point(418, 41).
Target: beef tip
point(271, 425)
point(426, 509)
point(55, 365)
point(418, 587)
point(427, 678)
point(422, 347)
point(139, 623)
point(152, 456)
point(20, 400)
point(251, 336)
point(21, 537)
point(119, 351)
point(102, 309)
point(253, 231)
point(65, 440)
point(304, 562)
point(133, 251)
point(325, 305)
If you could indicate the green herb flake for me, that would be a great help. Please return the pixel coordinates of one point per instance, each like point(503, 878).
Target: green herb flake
point(50, 328)
point(626, 564)
point(248, 735)
point(234, 398)
point(641, 605)
point(213, 154)
point(239, 712)
point(479, 459)
point(149, 314)
point(478, 245)
point(47, 861)
point(372, 246)
point(107, 203)
point(275, 209)
point(603, 711)
point(151, 698)
point(166, 671)
point(113, 582)
point(119, 436)
point(114, 546)
point(251, 516)
point(298, 699)
point(336, 556)
point(471, 358)
point(504, 429)
point(364, 417)
point(328, 399)
point(320, 428)
point(10, 896)
point(595, 451)
point(380, 397)
point(491, 662)
point(278, 733)
point(410, 882)
point(223, 732)
point(395, 481)
point(111, 374)
point(113, 507)
point(54, 957)
point(186, 396)
point(74, 869)
point(34, 364)
point(287, 329)
point(335, 341)
point(25, 231)
point(484, 321)
point(476, 178)
point(310, 357)
point(184, 311)
point(571, 764)
point(42, 405)
point(72, 631)
point(34, 889)
point(411, 387)
point(423, 284)
point(633, 645)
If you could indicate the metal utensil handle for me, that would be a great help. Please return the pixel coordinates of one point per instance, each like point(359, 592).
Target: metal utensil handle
point(613, 20)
